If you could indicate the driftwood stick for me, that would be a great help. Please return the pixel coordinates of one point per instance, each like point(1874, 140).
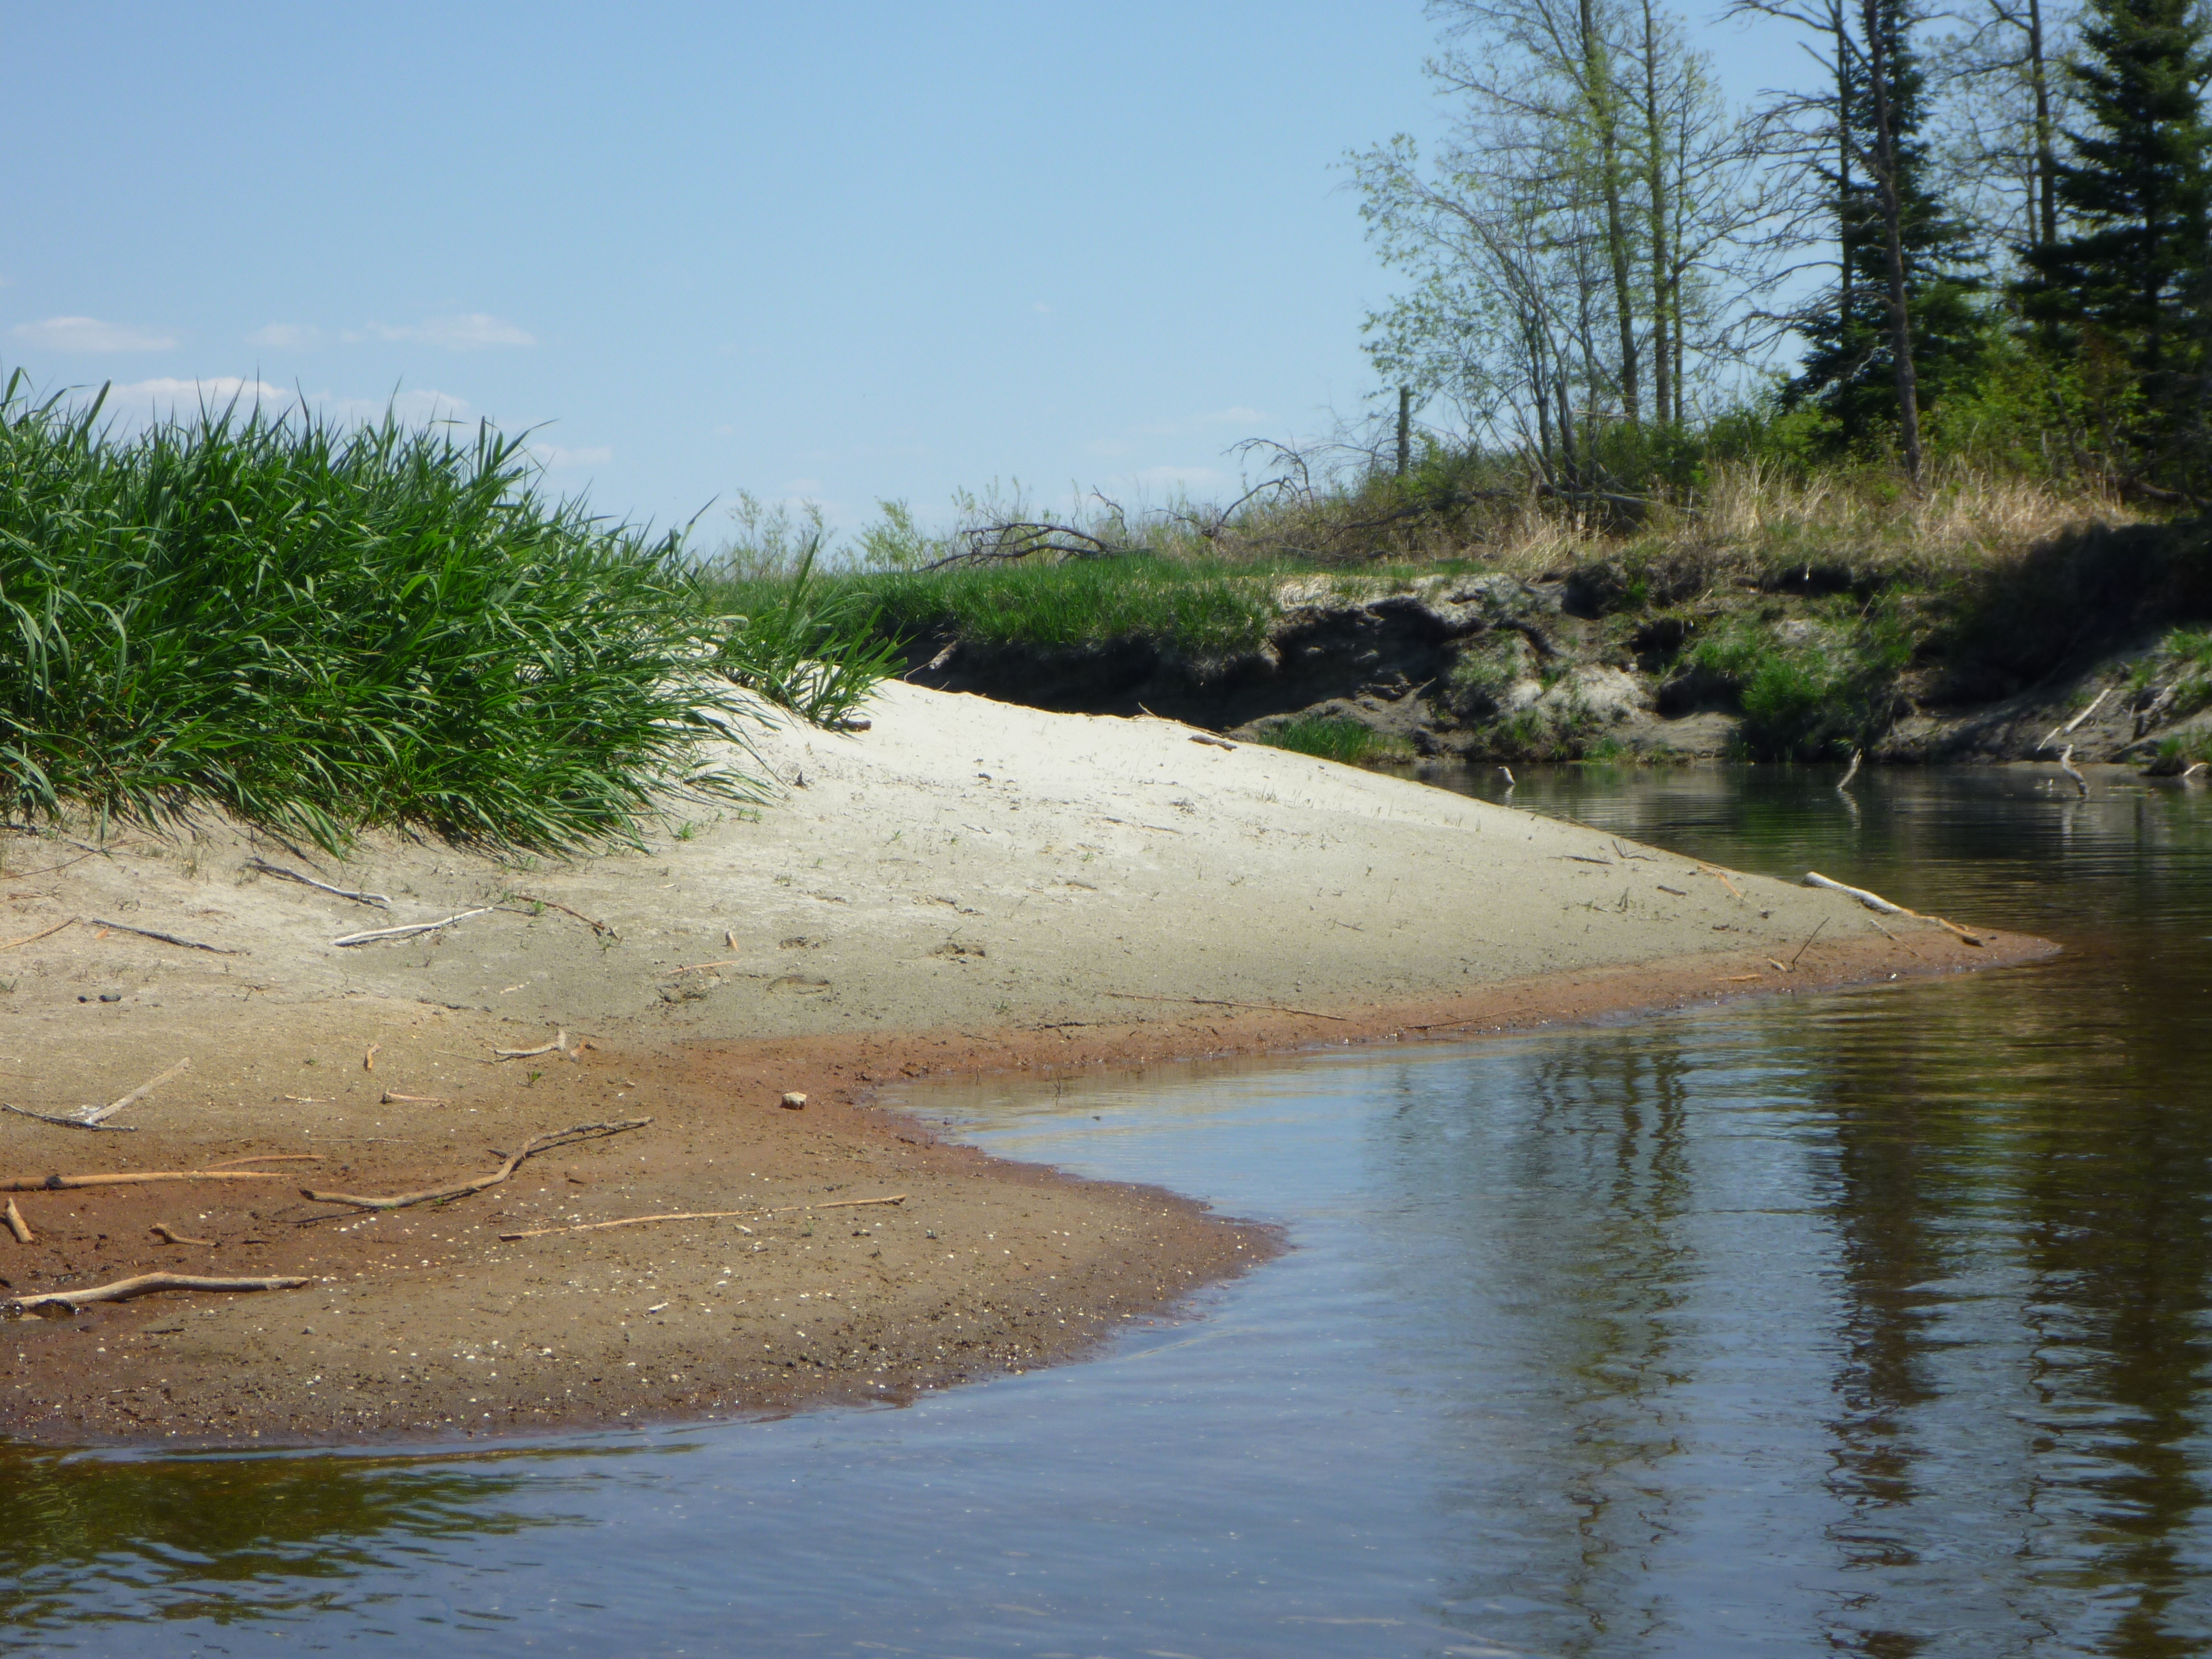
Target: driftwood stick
point(270, 1157)
point(2057, 731)
point(1850, 773)
point(413, 928)
point(18, 1226)
point(170, 1236)
point(68, 1122)
point(390, 1099)
point(463, 1188)
point(701, 967)
point(123, 1290)
point(33, 939)
point(2066, 765)
point(62, 1183)
point(699, 1215)
point(167, 939)
point(1217, 1002)
point(138, 1093)
point(1876, 901)
point(558, 1046)
point(381, 901)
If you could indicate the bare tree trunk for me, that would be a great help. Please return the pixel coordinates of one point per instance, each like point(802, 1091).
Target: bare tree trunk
point(1655, 173)
point(1405, 429)
point(1604, 114)
point(2047, 166)
point(1892, 239)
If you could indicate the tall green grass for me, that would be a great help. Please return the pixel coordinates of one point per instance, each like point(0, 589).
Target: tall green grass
point(318, 628)
point(1198, 611)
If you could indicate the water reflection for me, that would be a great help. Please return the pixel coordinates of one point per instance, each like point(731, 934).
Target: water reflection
point(1871, 1324)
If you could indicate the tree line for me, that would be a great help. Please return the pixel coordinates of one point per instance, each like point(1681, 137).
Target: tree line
point(1986, 232)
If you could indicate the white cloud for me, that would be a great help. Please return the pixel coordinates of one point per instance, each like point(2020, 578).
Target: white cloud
point(552, 455)
point(286, 337)
point(471, 331)
point(167, 396)
point(90, 334)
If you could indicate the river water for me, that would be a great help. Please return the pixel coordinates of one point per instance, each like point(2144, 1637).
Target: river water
point(1868, 1323)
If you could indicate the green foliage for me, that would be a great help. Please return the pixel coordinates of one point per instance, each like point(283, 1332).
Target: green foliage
point(1484, 672)
point(810, 646)
point(1328, 737)
point(1199, 610)
point(318, 628)
point(1809, 692)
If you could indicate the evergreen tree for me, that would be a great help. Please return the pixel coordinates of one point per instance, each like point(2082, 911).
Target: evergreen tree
point(1848, 370)
point(2127, 293)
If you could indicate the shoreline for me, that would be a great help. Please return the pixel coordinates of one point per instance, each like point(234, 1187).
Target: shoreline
point(112, 1376)
point(970, 886)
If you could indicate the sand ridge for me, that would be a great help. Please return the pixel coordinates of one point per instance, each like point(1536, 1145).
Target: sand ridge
point(967, 885)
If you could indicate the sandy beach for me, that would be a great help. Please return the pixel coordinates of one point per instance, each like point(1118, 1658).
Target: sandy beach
point(966, 886)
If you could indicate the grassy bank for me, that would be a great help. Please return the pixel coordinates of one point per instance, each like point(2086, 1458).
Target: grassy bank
point(318, 628)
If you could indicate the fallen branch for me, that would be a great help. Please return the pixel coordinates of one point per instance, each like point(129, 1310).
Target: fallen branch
point(167, 939)
point(390, 1099)
point(2066, 765)
point(2057, 731)
point(123, 1290)
point(1213, 743)
point(18, 1226)
point(270, 1158)
point(409, 931)
point(701, 967)
point(62, 1183)
point(1217, 1002)
point(599, 927)
point(1851, 773)
point(699, 1215)
point(1876, 901)
point(463, 1188)
point(68, 1122)
point(381, 901)
point(137, 1094)
point(33, 939)
point(170, 1236)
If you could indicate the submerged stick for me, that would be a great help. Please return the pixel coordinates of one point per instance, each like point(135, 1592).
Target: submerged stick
point(2066, 765)
point(414, 928)
point(463, 1188)
point(379, 900)
point(123, 1290)
point(699, 1215)
point(1843, 784)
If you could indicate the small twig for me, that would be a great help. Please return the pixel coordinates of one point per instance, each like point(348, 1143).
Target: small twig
point(26, 875)
point(1217, 1002)
point(68, 1122)
point(698, 1215)
point(1625, 853)
point(465, 1188)
point(1807, 944)
point(411, 931)
point(171, 1236)
point(1580, 858)
point(599, 927)
point(558, 1046)
point(379, 901)
point(390, 1099)
point(701, 967)
point(1721, 877)
point(270, 1158)
point(138, 1093)
point(18, 1226)
point(167, 939)
point(33, 939)
point(368, 1060)
point(123, 1290)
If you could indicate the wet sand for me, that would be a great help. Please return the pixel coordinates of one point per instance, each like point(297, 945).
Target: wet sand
point(969, 887)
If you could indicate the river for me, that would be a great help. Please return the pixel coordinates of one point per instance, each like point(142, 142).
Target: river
point(1872, 1322)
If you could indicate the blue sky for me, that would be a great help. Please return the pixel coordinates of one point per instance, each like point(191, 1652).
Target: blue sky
point(837, 251)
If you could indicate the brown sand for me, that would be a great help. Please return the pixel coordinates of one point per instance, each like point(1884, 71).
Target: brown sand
point(1100, 898)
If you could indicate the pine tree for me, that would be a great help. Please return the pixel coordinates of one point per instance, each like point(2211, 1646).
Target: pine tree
point(2127, 290)
point(1848, 370)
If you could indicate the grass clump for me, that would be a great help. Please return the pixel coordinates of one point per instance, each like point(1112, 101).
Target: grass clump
point(318, 628)
point(1196, 610)
point(1330, 737)
point(1809, 690)
point(811, 646)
